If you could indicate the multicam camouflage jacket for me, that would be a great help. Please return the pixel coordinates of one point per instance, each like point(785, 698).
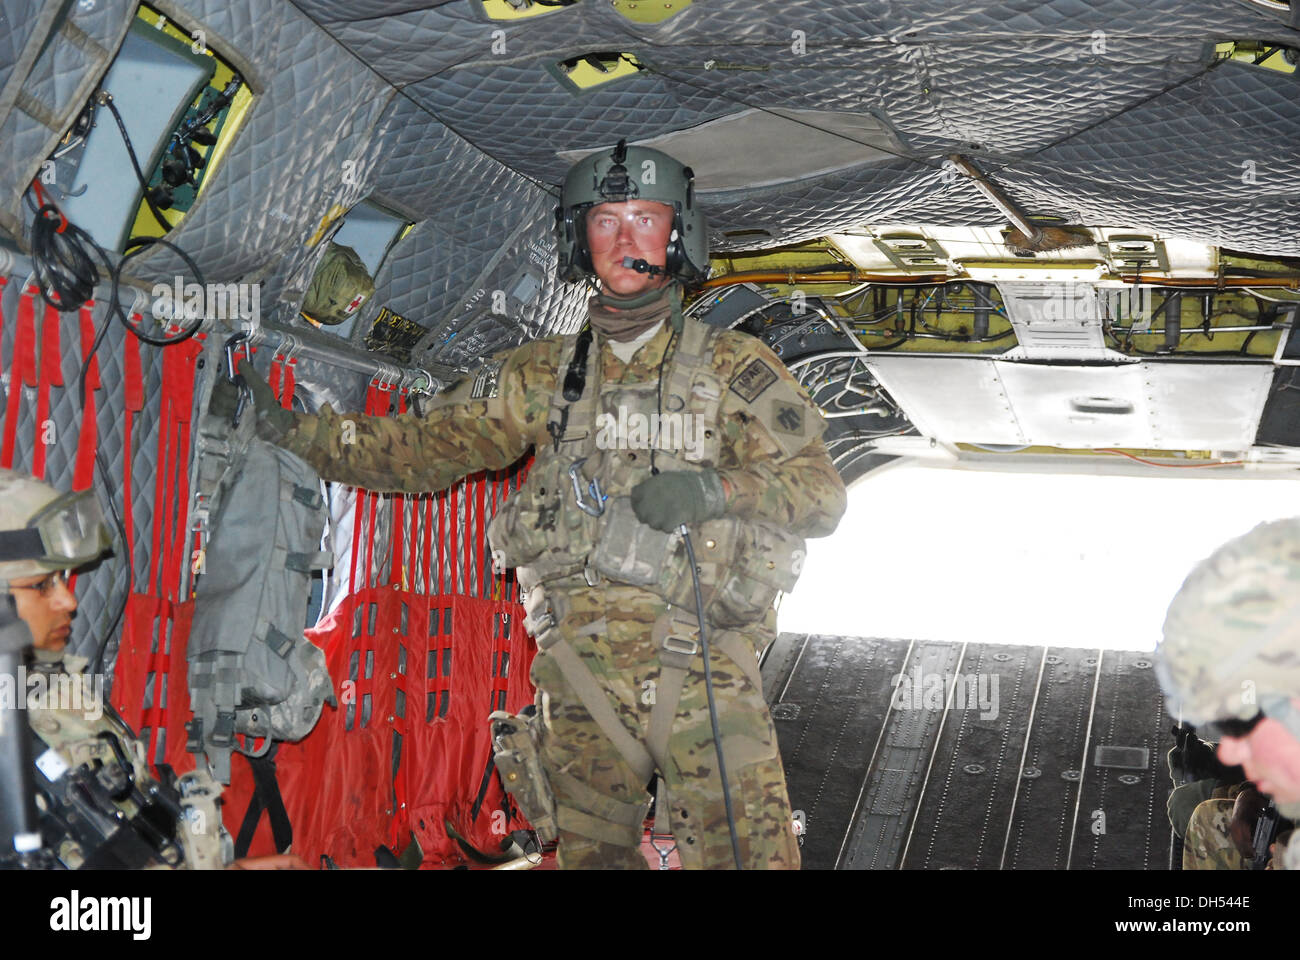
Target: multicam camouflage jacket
point(769, 451)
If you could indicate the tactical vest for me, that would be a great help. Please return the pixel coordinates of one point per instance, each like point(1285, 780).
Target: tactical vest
point(573, 517)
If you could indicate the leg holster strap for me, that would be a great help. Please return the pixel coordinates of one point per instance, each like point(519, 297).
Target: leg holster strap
point(594, 828)
point(595, 815)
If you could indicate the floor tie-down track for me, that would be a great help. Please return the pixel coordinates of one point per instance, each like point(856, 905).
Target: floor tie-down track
point(982, 756)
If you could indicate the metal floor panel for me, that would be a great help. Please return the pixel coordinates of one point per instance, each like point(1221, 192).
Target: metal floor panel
point(963, 815)
point(979, 756)
point(900, 773)
point(828, 716)
point(1122, 822)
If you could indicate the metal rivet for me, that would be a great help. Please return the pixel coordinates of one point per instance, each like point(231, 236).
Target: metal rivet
point(1129, 778)
point(390, 719)
point(1070, 775)
point(973, 768)
point(1002, 657)
point(1029, 773)
point(1142, 664)
point(392, 676)
point(710, 544)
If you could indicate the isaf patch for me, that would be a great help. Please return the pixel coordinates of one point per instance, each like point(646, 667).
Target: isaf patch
point(787, 417)
point(487, 381)
point(753, 380)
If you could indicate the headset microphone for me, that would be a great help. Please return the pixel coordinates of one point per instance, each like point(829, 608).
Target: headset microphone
point(642, 266)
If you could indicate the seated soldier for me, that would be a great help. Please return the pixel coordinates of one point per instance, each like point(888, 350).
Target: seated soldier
point(98, 805)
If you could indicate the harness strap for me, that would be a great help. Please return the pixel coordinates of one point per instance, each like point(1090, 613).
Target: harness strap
point(266, 796)
point(589, 692)
point(674, 667)
point(672, 680)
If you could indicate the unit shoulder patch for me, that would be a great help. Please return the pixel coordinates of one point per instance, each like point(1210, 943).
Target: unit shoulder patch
point(787, 417)
point(753, 380)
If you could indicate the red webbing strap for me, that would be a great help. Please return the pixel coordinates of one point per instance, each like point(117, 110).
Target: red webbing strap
point(4, 282)
point(161, 491)
point(133, 391)
point(186, 355)
point(288, 386)
point(399, 827)
point(396, 568)
point(356, 541)
point(163, 507)
point(88, 438)
point(373, 500)
point(22, 370)
point(273, 378)
point(51, 375)
point(159, 667)
point(131, 670)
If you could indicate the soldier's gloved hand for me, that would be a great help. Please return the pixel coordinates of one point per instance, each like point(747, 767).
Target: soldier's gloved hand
point(224, 400)
point(667, 500)
point(273, 421)
point(1250, 803)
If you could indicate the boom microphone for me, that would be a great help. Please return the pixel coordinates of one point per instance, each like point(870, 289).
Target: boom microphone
point(643, 266)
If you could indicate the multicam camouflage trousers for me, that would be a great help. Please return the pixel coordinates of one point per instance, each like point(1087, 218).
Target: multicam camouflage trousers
point(591, 777)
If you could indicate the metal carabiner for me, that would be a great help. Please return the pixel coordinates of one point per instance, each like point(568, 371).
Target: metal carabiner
point(664, 852)
point(245, 392)
point(593, 488)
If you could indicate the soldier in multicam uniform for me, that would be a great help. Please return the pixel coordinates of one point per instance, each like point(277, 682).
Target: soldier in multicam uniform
point(668, 422)
point(1231, 657)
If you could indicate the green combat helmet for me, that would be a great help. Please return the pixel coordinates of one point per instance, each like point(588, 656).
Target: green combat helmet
point(42, 530)
point(1231, 646)
point(630, 173)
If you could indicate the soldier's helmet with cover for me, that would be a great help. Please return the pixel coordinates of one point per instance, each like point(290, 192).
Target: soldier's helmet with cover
point(42, 530)
point(1231, 647)
point(632, 173)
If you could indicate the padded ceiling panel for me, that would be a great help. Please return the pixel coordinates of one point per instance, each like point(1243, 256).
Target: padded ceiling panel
point(1005, 80)
point(1103, 111)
